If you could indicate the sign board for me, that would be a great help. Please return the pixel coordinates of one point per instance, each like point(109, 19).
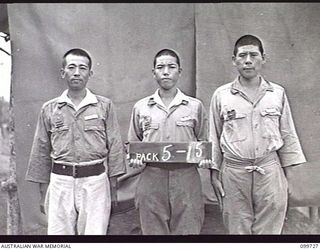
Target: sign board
point(187, 152)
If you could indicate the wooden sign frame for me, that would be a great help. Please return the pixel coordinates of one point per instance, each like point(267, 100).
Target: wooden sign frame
point(173, 152)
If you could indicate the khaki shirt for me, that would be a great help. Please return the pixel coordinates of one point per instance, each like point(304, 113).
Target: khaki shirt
point(84, 135)
point(244, 130)
point(184, 120)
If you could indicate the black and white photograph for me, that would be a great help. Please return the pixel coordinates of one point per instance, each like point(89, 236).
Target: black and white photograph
point(160, 119)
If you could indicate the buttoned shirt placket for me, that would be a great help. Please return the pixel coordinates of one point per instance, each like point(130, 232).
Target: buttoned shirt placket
point(253, 117)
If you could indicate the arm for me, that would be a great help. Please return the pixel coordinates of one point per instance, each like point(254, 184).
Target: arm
point(291, 152)
point(39, 166)
point(116, 158)
point(215, 130)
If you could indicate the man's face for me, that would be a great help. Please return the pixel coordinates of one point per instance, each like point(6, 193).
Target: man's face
point(76, 71)
point(248, 61)
point(166, 71)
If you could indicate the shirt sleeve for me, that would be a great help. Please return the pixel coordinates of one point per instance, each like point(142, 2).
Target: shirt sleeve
point(116, 156)
point(135, 133)
point(291, 152)
point(215, 130)
point(40, 163)
point(201, 129)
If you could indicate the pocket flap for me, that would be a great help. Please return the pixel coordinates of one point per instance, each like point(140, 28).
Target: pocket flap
point(270, 111)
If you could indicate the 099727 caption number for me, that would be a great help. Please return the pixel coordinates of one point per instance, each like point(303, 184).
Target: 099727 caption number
point(305, 245)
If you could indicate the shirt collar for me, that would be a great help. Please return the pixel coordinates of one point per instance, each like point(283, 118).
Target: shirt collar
point(236, 86)
point(90, 98)
point(179, 98)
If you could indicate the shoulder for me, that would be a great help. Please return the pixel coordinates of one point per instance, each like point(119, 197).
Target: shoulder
point(50, 104)
point(103, 99)
point(277, 87)
point(142, 102)
point(194, 101)
point(225, 88)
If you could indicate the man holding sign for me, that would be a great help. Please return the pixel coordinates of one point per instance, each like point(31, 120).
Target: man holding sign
point(169, 195)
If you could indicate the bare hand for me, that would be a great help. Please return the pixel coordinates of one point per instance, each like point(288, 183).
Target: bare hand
point(205, 164)
point(135, 163)
point(218, 190)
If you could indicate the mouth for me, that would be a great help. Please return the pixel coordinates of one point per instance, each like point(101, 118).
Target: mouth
point(248, 68)
point(166, 79)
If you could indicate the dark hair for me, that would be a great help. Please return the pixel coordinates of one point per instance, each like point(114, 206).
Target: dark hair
point(164, 52)
point(248, 40)
point(77, 52)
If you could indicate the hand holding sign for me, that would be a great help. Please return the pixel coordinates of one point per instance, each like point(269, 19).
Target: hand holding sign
point(136, 163)
point(171, 152)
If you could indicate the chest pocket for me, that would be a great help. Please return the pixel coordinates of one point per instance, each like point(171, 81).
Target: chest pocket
point(185, 122)
point(235, 127)
point(96, 124)
point(270, 122)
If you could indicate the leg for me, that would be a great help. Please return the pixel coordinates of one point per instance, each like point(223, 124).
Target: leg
point(186, 201)
point(152, 201)
point(270, 200)
point(60, 207)
point(125, 223)
point(94, 204)
point(237, 203)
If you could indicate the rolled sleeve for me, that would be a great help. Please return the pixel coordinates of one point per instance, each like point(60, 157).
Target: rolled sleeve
point(115, 159)
point(201, 129)
point(135, 133)
point(291, 152)
point(215, 130)
point(40, 163)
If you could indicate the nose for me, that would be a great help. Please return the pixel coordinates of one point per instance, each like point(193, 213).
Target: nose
point(248, 59)
point(77, 71)
point(165, 70)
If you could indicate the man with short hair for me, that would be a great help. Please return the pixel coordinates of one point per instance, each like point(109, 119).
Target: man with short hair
point(169, 195)
point(254, 141)
point(77, 149)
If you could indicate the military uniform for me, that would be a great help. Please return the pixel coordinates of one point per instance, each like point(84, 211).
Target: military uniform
point(253, 141)
point(76, 150)
point(169, 195)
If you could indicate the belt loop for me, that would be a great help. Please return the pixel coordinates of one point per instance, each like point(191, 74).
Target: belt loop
point(74, 170)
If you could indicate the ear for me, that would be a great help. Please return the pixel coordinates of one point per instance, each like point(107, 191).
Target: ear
point(264, 58)
point(233, 60)
point(180, 71)
point(153, 73)
point(90, 73)
point(62, 73)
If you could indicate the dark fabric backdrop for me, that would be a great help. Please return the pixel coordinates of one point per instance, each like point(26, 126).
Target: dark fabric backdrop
point(123, 39)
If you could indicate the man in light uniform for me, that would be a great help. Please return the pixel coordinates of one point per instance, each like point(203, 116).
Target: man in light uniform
point(254, 139)
point(169, 195)
point(77, 147)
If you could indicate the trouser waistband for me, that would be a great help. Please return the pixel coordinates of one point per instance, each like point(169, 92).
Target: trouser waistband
point(170, 165)
point(78, 171)
point(252, 164)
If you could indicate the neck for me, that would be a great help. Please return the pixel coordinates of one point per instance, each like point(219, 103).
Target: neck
point(168, 93)
point(77, 95)
point(250, 83)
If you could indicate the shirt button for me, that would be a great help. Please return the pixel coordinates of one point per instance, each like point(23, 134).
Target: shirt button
point(168, 136)
point(78, 158)
point(63, 167)
point(257, 148)
point(255, 126)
